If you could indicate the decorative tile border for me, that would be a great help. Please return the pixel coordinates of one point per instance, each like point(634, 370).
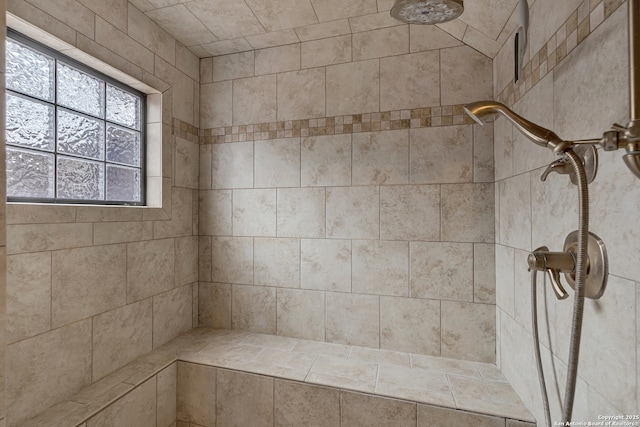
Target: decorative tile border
point(185, 131)
point(582, 22)
point(356, 123)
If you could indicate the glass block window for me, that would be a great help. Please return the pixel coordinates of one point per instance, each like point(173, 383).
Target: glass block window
point(74, 135)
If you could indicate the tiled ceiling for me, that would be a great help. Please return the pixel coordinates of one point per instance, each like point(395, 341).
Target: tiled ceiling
point(220, 27)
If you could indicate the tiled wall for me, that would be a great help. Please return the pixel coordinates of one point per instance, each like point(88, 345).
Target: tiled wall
point(238, 398)
point(575, 84)
point(91, 288)
point(345, 198)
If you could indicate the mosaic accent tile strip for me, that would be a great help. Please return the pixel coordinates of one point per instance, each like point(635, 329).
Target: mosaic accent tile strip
point(185, 131)
point(356, 123)
point(582, 22)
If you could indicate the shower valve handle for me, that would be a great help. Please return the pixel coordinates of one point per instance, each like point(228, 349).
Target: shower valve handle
point(553, 263)
point(559, 166)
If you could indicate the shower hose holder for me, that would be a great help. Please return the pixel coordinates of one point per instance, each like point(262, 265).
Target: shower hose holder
point(564, 262)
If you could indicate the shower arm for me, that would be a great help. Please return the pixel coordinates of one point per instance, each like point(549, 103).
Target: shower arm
point(619, 137)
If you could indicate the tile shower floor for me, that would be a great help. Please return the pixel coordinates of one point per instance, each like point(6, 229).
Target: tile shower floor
point(470, 386)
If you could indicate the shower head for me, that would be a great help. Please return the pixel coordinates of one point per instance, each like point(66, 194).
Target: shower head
point(538, 134)
point(426, 11)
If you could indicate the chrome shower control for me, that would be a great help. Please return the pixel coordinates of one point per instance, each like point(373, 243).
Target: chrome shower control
point(553, 263)
point(588, 155)
point(597, 264)
point(564, 262)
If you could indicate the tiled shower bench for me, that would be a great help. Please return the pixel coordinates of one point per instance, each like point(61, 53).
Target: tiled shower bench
point(211, 378)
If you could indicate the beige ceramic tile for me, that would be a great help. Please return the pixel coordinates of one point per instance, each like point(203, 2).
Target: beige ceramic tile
point(226, 19)
point(214, 305)
point(363, 409)
point(196, 394)
point(477, 389)
point(432, 415)
point(326, 265)
point(204, 258)
point(483, 156)
point(373, 21)
point(468, 331)
point(302, 404)
point(410, 81)
point(410, 324)
point(300, 314)
point(80, 18)
point(329, 51)
point(172, 314)
point(301, 94)
point(484, 273)
point(28, 295)
point(226, 47)
point(480, 42)
point(43, 237)
point(151, 35)
point(205, 167)
point(253, 309)
point(353, 212)
point(335, 381)
point(335, 9)
point(150, 268)
point(441, 155)
point(244, 399)
point(277, 59)
point(410, 212)
point(317, 348)
point(46, 369)
point(232, 259)
point(166, 396)
point(106, 233)
point(469, 210)
point(301, 212)
point(234, 66)
point(214, 216)
point(353, 88)
point(215, 99)
point(380, 267)
point(430, 37)
point(254, 212)
point(490, 372)
point(503, 148)
point(87, 282)
point(118, 42)
point(186, 262)
point(353, 319)
point(17, 213)
point(607, 331)
point(323, 30)
point(381, 158)
point(273, 39)
point(181, 222)
point(381, 43)
point(445, 366)
point(283, 14)
point(442, 270)
point(277, 163)
point(515, 217)
point(254, 100)
point(232, 165)
point(465, 75)
point(119, 336)
point(136, 408)
point(277, 262)
point(326, 160)
point(355, 370)
point(380, 356)
point(182, 24)
point(415, 378)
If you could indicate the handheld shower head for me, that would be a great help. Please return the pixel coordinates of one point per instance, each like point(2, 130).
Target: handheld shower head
point(541, 136)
